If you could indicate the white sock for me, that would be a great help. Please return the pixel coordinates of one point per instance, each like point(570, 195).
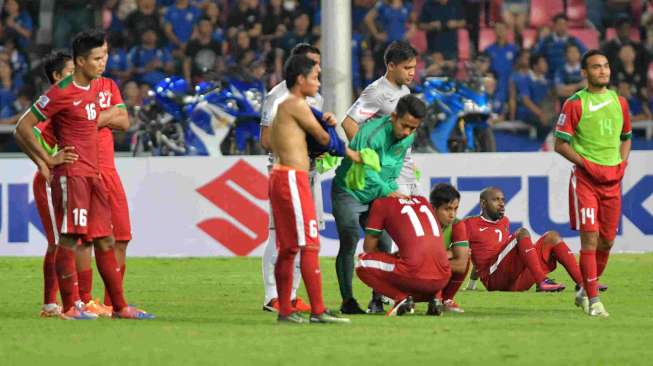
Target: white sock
point(269, 259)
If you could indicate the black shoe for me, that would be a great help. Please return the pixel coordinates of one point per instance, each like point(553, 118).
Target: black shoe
point(376, 305)
point(435, 307)
point(405, 306)
point(328, 317)
point(350, 306)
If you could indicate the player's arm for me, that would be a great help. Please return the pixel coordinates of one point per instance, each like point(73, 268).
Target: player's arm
point(374, 227)
point(365, 107)
point(626, 131)
point(564, 130)
point(350, 126)
point(28, 141)
point(302, 113)
point(459, 247)
point(116, 117)
point(22, 144)
point(265, 138)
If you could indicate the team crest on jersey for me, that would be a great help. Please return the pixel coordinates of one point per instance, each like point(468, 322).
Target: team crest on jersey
point(562, 119)
point(43, 101)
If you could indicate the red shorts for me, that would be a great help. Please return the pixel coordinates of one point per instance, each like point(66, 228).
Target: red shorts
point(81, 206)
point(511, 274)
point(43, 200)
point(379, 271)
point(592, 206)
point(293, 209)
point(122, 230)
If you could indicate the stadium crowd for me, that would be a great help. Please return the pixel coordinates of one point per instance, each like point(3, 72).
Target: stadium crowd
point(527, 50)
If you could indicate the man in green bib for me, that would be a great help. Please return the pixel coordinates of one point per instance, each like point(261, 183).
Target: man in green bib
point(593, 132)
point(382, 143)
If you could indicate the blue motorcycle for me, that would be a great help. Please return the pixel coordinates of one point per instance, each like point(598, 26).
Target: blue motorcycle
point(457, 117)
point(217, 118)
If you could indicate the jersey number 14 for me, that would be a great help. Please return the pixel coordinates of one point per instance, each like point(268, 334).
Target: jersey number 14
point(417, 225)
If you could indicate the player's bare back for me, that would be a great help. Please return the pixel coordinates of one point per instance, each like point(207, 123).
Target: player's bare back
point(288, 136)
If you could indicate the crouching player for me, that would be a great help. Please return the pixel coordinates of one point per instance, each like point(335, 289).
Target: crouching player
point(445, 200)
point(420, 270)
point(293, 208)
point(510, 262)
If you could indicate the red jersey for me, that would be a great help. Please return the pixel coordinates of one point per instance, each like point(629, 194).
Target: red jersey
point(73, 111)
point(486, 239)
point(47, 133)
point(108, 96)
point(412, 225)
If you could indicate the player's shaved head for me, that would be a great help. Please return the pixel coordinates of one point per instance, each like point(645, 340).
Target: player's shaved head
point(489, 191)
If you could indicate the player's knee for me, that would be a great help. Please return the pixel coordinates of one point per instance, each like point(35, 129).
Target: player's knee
point(288, 252)
point(523, 233)
point(104, 243)
point(552, 237)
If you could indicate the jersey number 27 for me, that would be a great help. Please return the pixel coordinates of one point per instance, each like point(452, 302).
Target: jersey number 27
point(417, 225)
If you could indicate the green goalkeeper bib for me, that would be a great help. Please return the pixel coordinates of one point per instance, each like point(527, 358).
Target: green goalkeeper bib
point(598, 134)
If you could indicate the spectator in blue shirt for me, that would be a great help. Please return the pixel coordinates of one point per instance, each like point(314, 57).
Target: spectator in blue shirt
point(553, 46)
point(299, 34)
point(502, 56)
point(391, 16)
point(10, 113)
point(441, 20)
point(179, 21)
point(569, 79)
point(15, 57)
point(534, 102)
point(17, 22)
point(9, 86)
point(118, 67)
point(151, 64)
point(639, 110)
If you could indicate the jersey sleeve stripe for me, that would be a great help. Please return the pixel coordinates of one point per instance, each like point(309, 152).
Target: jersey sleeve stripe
point(37, 112)
point(626, 136)
point(562, 135)
point(460, 244)
point(121, 106)
point(372, 231)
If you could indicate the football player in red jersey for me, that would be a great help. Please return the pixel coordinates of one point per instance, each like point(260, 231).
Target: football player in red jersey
point(56, 66)
point(420, 270)
point(113, 115)
point(510, 262)
point(79, 196)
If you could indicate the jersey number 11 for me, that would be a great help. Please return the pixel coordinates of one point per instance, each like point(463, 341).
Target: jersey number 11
point(417, 225)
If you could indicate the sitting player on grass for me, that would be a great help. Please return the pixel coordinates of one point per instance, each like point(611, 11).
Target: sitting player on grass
point(510, 262)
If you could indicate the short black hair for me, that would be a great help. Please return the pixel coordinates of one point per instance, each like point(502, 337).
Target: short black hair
point(588, 54)
point(411, 104)
point(442, 194)
point(55, 62)
point(559, 16)
point(295, 66)
point(87, 40)
point(398, 52)
point(303, 49)
point(535, 58)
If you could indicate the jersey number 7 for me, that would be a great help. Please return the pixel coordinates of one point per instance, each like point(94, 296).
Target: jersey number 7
point(417, 225)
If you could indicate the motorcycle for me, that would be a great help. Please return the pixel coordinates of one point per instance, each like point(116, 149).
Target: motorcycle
point(457, 117)
point(220, 117)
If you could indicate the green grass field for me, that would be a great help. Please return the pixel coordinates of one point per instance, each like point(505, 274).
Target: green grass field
point(209, 313)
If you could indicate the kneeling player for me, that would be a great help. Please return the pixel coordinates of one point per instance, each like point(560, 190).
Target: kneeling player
point(506, 262)
point(420, 270)
point(445, 199)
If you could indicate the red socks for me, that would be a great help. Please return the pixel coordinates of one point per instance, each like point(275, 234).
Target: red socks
point(110, 272)
point(454, 284)
point(588, 270)
point(107, 297)
point(528, 254)
point(50, 284)
point(310, 266)
point(601, 261)
point(85, 279)
point(283, 272)
point(567, 259)
point(67, 276)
